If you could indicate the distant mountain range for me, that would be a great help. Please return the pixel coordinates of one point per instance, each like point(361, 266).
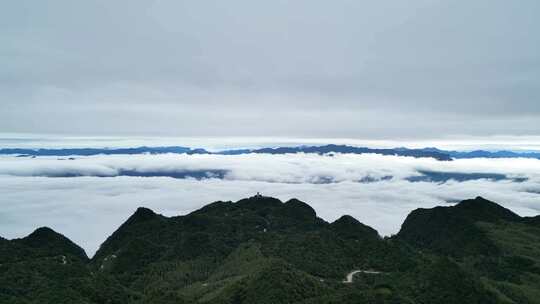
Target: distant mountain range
point(351, 150)
point(497, 154)
point(484, 154)
point(261, 250)
point(435, 153)
point(97, 151)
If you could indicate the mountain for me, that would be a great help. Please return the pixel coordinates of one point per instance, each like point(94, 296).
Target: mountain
point(44, 266)
point(46, 242)
point(453, 230)
point(263, 250)
point(485, 239)
point(97, 151)
point(181, 150)
point(495, 154)
point(350, 228)
point(442, 155)
point(326, 149)
point(484, 153)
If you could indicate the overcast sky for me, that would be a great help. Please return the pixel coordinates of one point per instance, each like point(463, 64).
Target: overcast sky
point(356, 69)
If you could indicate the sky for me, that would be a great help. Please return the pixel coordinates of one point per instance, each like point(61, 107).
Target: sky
point(414, 69)
point(457, 75)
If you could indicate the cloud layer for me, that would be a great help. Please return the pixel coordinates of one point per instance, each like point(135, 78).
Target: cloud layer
point(89, 208)
point(287, 168)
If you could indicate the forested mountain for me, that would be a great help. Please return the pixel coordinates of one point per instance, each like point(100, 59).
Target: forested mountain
point(262, 250)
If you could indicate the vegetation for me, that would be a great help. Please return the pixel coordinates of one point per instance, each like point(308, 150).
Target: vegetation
point(261, 250)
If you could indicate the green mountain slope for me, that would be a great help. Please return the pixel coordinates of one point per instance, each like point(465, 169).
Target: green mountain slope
point(486, 240)
point(452, 230)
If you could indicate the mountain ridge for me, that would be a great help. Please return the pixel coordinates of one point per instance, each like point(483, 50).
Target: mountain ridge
point(263, 250)
point(431, 152)
point(323, 149)
point(142, 214)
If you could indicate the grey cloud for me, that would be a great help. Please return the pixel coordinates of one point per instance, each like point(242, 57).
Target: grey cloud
point(303, 68)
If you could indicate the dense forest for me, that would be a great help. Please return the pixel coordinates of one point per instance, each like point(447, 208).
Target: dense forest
point(262, 250)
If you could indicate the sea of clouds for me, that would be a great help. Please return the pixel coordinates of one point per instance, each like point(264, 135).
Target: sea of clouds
point(87, 198)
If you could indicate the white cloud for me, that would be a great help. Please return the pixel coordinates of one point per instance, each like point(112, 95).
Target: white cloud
point(291, 168)
point(88, 209)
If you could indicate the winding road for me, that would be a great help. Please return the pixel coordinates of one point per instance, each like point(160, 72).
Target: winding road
point(350, 275)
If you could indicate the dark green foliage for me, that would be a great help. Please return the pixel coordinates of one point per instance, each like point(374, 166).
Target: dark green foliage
point(453, 230)
point(443, 281)
point(349, 228)
point(43, 242)
point(260, 250)
point(532, 220)
point(480, 209)
point(48, 242)
point(276, 283)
